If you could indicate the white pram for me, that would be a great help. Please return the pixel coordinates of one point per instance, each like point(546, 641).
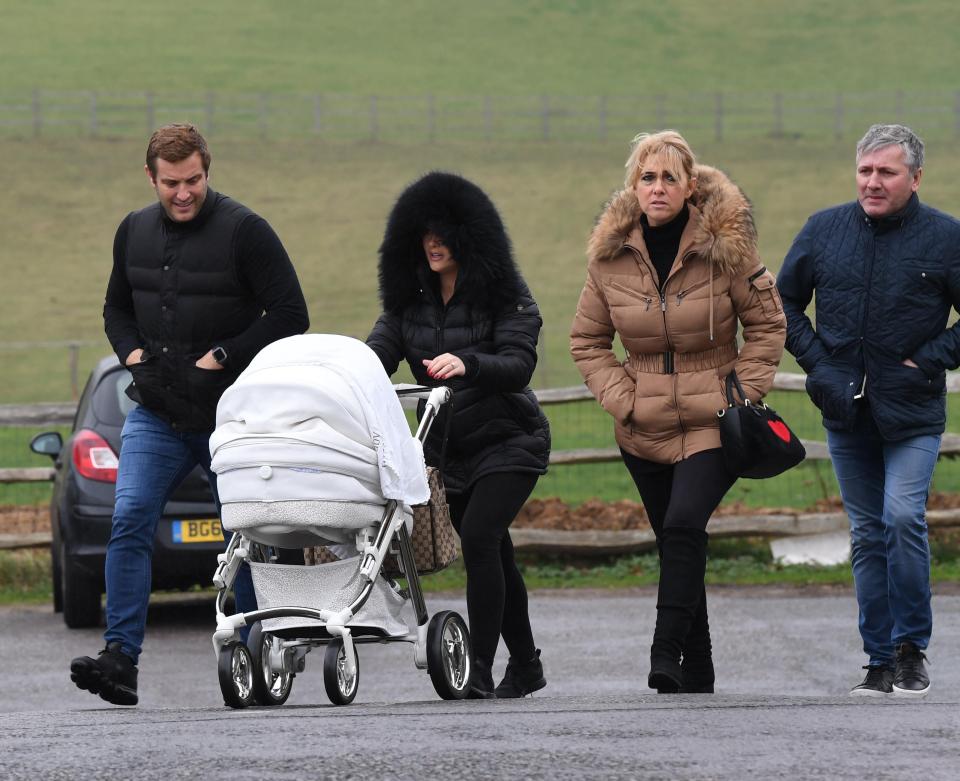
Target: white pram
point(312, 448)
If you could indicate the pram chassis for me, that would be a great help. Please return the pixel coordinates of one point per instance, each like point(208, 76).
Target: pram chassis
point(263, 674)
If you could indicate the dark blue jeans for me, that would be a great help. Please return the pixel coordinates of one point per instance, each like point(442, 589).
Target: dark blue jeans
point(154, 459)
point(884, 486)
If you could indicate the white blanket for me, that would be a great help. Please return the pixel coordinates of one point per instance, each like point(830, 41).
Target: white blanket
point(315, 417)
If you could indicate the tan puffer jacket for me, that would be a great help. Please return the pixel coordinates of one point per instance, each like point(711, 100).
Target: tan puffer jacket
point(682, 344)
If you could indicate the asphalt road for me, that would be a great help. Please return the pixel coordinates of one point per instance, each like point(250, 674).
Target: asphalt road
point(785, 662)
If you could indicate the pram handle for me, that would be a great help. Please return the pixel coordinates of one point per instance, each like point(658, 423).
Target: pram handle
point(406, 390)
point(435, 398)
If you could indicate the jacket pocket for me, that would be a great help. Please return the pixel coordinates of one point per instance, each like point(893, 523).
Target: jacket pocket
point(625, 295)
point(206, 386)
point(831, 386)
point(766, 289)
point(907, 381)
point(146, 388)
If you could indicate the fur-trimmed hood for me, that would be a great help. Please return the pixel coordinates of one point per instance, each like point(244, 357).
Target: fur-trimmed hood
point(726, 234)
point(465, 218)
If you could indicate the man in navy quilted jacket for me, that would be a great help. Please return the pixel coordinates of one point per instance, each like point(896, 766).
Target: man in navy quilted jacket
point(886, 271)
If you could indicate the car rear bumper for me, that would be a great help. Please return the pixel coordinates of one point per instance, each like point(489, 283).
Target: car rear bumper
point(177, 561)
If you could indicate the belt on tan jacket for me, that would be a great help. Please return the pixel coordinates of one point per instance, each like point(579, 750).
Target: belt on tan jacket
point(671, 363)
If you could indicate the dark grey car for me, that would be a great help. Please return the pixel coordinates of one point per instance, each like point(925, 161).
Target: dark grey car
point(188, 536)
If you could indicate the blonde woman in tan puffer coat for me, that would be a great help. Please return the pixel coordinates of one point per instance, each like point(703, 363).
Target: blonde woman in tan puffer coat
point(672, 269)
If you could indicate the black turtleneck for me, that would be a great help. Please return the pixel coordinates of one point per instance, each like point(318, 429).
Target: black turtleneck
point(663, 242)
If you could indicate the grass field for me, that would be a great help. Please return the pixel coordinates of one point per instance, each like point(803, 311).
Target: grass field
point(328, 204)
point(25, 575)
point(328, 201)
point(498, 46)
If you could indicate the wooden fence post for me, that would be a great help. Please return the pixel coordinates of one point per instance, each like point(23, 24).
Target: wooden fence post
point(93, 114)
point(956, 114)
point(318, 114)
point(602, 118)
point(431, 118)
point(74, 349)
point(37, 114)
point(838, 117)
point(374, 119)
point(545, 117)
point(209, 109)
point(151, 113)
point(718, 117)
point(263, 114)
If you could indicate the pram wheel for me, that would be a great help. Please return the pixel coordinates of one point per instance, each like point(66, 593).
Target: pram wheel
point(269, 686)
point(449, 655)
point(235, 670)
point(341, 686)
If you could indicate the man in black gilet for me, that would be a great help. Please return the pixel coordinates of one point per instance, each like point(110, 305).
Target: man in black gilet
point(199, 285)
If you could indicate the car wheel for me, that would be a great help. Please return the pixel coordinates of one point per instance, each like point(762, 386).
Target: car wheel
point(57, 577)
point(80, 594)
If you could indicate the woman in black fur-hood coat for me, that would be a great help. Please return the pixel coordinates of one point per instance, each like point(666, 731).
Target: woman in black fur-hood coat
point(477, 336)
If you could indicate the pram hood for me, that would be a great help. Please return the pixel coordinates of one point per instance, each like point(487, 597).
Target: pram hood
point(318, 412)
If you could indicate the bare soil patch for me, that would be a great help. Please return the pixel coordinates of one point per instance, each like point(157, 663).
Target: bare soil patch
point(536, 514)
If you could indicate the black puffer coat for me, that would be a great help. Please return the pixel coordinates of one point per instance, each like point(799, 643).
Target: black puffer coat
point(884, 291)
point(491, 323)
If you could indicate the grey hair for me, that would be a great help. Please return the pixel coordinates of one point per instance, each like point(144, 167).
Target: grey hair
point(879, 136)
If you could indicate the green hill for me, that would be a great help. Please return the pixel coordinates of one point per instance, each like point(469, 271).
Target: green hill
point(467, 47)
point(67, 188)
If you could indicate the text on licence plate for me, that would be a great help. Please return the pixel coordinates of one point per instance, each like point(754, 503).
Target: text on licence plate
point(197, 531)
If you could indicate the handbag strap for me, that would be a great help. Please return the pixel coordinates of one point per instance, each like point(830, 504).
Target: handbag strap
point(446, 436)
point(734, 382)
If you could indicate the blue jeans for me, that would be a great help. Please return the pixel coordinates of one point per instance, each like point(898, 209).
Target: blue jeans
point(154, 459)
point(884, 486)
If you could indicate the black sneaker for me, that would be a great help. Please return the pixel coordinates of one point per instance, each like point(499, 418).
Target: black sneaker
point(521, 678)
point(877, 683)
point(112, 675)
point(910, 679)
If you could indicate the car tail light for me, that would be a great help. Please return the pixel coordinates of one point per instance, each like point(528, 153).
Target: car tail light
point(93, 457)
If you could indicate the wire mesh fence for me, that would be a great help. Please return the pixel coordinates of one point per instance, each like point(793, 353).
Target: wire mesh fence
point(718, 116)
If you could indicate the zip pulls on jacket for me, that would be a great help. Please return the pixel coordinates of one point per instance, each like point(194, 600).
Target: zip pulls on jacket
point(668, 366)
point(662, 288)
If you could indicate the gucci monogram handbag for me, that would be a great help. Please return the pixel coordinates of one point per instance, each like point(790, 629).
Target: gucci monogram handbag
point(433, 538)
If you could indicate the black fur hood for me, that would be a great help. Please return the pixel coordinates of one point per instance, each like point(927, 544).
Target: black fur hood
point(465, 218)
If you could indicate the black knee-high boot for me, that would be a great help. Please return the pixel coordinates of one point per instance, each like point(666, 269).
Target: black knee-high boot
point(681, 585)
point(697, 664)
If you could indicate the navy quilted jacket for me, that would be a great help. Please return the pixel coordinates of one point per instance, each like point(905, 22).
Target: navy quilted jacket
point(884, 289)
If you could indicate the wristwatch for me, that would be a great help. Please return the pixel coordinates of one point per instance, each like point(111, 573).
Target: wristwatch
point(219, 355)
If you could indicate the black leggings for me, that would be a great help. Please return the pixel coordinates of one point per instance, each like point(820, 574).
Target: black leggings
point(496, 594)
point(682, 494)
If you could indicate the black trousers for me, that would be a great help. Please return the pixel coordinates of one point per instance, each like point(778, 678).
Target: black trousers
point(679, 500)
point(681, 494)
point(496, 593)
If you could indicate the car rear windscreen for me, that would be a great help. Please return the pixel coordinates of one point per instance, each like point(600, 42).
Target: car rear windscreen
point(110, 403)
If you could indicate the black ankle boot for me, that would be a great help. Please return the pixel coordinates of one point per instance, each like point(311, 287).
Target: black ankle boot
point(481, 681)
point(665, 676)
point(697, 664)
point(521, 678)
point(682, 570)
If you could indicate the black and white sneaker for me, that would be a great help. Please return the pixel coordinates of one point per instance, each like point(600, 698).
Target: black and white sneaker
point(877, 683)
point(910, 679)
point(112, 675)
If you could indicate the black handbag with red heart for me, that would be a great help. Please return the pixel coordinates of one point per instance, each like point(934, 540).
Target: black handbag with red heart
point(756, 441)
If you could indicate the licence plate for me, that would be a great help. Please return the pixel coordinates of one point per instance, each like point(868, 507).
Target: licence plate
point(197, 531)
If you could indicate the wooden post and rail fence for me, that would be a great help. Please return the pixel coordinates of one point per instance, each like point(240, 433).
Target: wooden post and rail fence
point(780, 524)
